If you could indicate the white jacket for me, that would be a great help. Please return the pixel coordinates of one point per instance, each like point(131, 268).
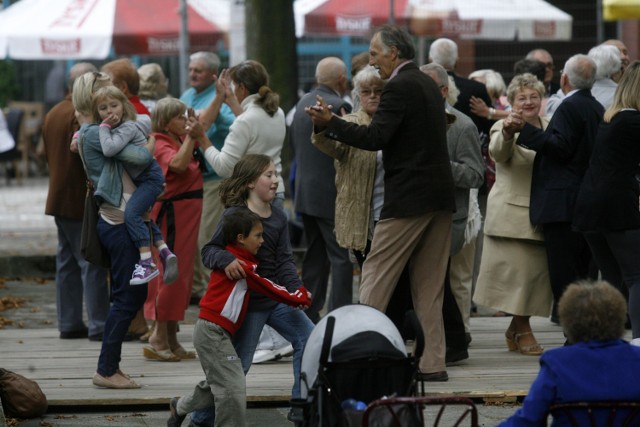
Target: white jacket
point(253, 132)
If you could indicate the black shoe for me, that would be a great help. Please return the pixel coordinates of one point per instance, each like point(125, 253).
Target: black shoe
point(455, 355)
point(296, 416)
point(433, 376)
point(96, 337)
point(175, 420)
point(74, 335)
point(195, 299)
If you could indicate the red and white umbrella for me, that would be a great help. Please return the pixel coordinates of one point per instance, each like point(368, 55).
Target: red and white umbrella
point(467, 19)
point(89, 29)
point(346, 17)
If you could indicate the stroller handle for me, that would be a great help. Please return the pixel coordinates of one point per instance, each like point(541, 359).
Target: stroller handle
point(326, 342)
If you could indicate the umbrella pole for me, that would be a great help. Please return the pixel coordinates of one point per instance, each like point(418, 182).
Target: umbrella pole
point(184, 45)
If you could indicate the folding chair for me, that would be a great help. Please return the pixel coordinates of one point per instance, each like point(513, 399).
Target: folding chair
point(598, 413)
point(409, 411)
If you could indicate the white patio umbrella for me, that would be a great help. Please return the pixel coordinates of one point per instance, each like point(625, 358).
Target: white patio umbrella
point(72, 29)
point(489, 19)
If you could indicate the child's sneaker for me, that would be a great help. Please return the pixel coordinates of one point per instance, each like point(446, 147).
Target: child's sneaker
point(170, 266)
point(144, 271)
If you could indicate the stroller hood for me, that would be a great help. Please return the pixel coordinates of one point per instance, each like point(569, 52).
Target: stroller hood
point(363, 331)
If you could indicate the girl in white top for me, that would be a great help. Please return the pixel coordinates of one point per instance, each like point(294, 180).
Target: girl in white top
point(259, 127)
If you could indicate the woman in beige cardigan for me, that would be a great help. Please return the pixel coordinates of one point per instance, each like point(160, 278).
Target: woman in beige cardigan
point(359, 173)
point(513, 275)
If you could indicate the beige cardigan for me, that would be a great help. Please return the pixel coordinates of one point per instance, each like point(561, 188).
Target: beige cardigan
point(355, 174)
point(508, 202)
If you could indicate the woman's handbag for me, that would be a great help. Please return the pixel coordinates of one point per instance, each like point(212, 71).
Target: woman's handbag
point(90, 246)
point(21, 397)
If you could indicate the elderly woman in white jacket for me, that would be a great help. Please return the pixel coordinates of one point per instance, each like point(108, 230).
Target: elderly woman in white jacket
point(259, 127)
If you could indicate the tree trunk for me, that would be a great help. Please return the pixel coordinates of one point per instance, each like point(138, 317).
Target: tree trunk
point(271, 40)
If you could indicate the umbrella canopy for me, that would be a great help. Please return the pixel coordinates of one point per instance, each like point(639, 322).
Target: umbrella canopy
point(467, 19)
point(614, 10)
point(489, 19)
point(88, 29)
point(354, 18)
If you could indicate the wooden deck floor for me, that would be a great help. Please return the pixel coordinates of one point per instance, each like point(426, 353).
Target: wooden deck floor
point(63, 368)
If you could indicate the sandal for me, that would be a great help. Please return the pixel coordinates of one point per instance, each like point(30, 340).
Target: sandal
point(528, 350)
point(183, 354)
point(509, 337)
point(151, 353)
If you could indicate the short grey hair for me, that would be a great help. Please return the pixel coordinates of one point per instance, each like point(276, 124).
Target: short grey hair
point(607, 59)
point(439, 71)
point(444, 52)
point(211, 59)
point(367, 75)
point(79, 69)
point(581, 71)
point(492, 80)
point(392, 35)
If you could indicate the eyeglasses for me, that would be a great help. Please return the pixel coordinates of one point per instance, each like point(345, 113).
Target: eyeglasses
point(370, 92)
point(532, 98)
point(549, 65)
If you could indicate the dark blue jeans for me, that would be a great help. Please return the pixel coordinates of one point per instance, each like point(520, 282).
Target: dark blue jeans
point(126, 300)
point(150, 184)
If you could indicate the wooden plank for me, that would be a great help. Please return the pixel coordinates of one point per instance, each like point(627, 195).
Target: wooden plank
point(63, 368)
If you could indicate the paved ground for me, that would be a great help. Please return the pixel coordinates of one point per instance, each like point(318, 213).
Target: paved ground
point(27, 250)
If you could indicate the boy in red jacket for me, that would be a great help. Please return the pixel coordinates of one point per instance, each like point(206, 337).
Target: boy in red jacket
point(222, 310)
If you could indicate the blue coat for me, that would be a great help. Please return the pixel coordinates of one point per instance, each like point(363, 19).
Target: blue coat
point(591, 371)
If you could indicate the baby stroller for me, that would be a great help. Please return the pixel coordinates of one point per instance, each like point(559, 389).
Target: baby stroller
point(354, 354)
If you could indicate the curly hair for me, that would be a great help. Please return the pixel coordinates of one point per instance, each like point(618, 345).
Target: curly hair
point(234, 191)
point(521, 82)
point(592, 311)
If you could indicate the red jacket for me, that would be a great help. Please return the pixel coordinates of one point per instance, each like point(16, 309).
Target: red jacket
point(225, 302)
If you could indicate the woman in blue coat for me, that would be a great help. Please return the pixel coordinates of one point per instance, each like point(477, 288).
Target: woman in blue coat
point(597, 366)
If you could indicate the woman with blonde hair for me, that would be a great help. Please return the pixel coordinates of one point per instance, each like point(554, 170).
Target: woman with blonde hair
point(607, 206)
point(514, 276)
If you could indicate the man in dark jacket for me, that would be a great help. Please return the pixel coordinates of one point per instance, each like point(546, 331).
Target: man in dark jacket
point(563, 151)
point(315, 196)
point(415, 223)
